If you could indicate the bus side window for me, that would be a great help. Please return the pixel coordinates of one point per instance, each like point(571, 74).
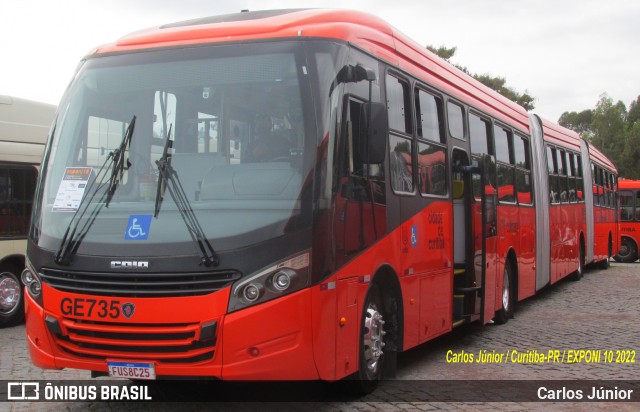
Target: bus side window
point(481, 138)
point(523, 169)
point(506, 165)
point(432, 177)
point(400, 139)
point(553, 175)
point(455, 113)
point(626, 205)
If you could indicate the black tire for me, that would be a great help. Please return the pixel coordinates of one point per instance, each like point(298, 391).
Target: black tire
point(371, 358)
point(579, 273)
point(628, 252)
point(11, 297)
point(506, 311)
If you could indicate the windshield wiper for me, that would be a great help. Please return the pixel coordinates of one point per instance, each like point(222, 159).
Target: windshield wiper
point(165, 159)
point(74, 234)
point(168, 179)
point(117, 172)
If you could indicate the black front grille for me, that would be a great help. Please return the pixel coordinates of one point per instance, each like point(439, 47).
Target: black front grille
point(136, 284)
point(177, 343)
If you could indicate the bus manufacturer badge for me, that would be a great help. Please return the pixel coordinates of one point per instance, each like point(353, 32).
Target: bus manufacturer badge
point(128, 309)
point(129, 264)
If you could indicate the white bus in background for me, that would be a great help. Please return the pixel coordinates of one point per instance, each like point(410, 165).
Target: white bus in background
point(24, 127)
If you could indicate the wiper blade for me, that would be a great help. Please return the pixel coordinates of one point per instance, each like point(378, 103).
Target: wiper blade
point(168, 179)
point(74, 235)
point(117, 172)
point(162, 163)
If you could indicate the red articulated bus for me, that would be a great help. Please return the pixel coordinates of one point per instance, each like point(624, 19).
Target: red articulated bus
point(629, 226)
point(293, 194)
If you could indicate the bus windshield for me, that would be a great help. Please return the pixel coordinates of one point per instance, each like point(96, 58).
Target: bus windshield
point(228, 120)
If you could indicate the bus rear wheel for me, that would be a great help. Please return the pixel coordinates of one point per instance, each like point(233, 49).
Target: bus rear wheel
point(628, 251)
point(506, 312)
point(11, 298)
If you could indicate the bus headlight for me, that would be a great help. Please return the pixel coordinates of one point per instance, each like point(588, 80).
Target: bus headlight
point(252, 292)
point(33, 283)
point(282, 278)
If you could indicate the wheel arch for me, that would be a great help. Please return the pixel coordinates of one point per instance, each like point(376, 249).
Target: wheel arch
point(12, 261)
point(631, 238)
point(386, 279)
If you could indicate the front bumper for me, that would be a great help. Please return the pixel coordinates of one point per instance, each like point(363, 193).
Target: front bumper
point(271, 341)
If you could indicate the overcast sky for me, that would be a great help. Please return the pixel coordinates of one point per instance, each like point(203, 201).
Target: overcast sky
point(565, 53)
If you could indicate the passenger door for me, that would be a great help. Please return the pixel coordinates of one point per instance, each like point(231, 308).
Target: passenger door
point(484, 213)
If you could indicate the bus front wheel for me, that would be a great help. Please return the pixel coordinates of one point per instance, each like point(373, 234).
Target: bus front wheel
point(371, 362)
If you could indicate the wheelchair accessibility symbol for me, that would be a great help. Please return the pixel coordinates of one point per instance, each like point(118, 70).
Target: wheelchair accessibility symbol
point(414, 236)
point(138, 227)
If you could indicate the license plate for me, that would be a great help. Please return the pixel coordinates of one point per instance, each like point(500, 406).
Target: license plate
point(132, 370)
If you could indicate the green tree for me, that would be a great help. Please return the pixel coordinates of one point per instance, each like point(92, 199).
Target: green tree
point(608, 126)
point(578, 121)
point(496, 83)
point(634, 112)
point(443, 51)
point(629, 164)
point(613, 129)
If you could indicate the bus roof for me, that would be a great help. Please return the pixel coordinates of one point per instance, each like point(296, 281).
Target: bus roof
point(25, 121)
point(601, 158)
point(628, 184)
point(554, 133)
point(24, 128)
point(361, 29)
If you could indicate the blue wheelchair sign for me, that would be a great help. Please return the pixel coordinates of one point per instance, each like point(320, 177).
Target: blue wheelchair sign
point(138, 227)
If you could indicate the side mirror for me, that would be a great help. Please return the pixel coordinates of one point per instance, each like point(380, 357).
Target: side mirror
point(353, 74)
point(375, 121)
point(361, 72)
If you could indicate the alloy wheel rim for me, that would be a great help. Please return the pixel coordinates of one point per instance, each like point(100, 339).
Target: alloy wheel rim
point(505, 291)
point(373, 338)
point(9, 294)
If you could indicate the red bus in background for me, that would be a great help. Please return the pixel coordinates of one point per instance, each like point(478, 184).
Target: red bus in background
point(294, 194)
point(629, 194)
